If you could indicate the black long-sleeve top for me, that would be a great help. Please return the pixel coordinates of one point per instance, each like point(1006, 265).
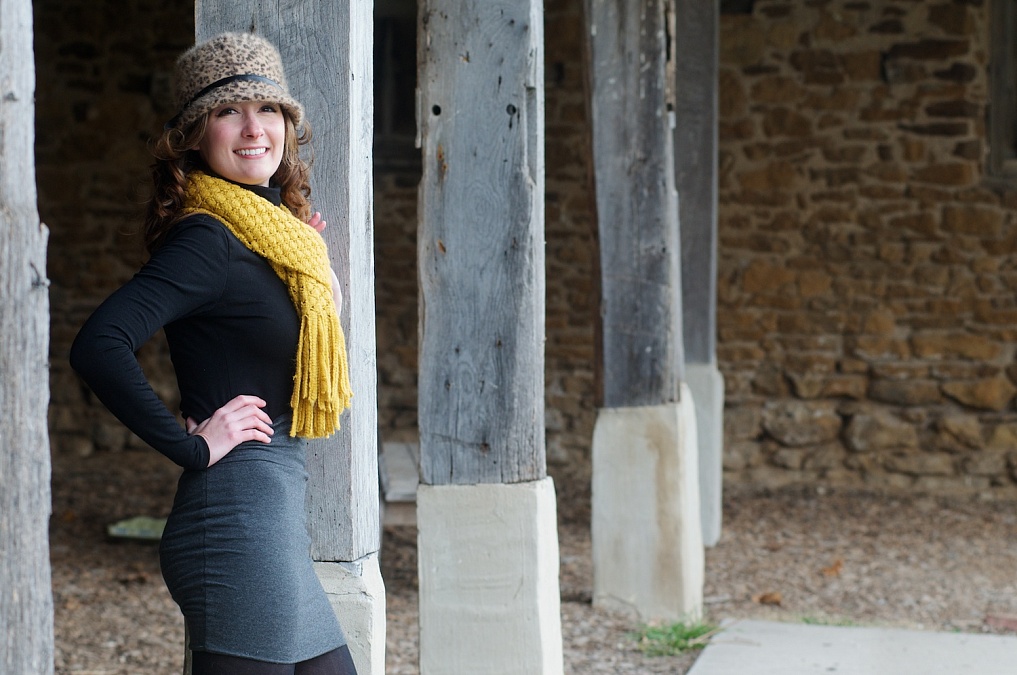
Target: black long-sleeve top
point(230, 325)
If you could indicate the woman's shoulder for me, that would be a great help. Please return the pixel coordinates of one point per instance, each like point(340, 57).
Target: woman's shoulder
point(197, 224)
point(197, 234)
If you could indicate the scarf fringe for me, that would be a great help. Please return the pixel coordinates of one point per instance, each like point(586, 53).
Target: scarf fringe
point(297, 254)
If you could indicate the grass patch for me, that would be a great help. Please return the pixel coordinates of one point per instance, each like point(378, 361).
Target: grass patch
point(673, 638)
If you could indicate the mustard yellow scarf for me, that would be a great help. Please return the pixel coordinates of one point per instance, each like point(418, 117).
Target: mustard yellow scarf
point(321, 385)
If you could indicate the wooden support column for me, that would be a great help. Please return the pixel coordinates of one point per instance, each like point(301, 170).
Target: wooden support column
point(488, 549)
point(327, 52)
point(26, 599)
point(695, 154)
point(647, 545)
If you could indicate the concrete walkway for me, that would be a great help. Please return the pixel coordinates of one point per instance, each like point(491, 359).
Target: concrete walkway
point(772, 648)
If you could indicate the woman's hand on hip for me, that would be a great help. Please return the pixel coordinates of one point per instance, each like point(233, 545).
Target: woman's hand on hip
point(240, 420)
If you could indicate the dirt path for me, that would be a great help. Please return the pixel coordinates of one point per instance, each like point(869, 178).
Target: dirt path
point(796, 555)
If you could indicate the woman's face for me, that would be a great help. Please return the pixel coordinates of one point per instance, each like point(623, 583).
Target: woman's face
point(244, 141)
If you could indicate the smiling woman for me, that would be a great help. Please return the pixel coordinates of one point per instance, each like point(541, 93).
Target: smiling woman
point(240, 279)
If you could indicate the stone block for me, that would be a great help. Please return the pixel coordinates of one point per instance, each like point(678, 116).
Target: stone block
point(488, 567)
point(814, 283)
point(777, 89)
point(789, 458)
point(846, 386)
point(817, 66)
point(980, 222)
point(798, 423)
point(990, 464)
point(887, 171)
point(357, 594)
point(731, 95)
point(739, 455)
point(929, 49)
point(824, 458)
point(955, 108)
point(1003, 437)
point(879, 430)
point(957, 72)
point(946, 346)
point(963, 370)
point(762, 277)
point(742, 41)
point(864, 66)
point(948, 129)
point(906, 392)
point(648, 556)
point(875, 348)
point(922, 464)
point(742, 422)
point(783, 35)
point(776, 176)
point(887, 27)
point(989, 394)
point(960, 433)
point(952, 19)
point(923, 223)
point(786, 122)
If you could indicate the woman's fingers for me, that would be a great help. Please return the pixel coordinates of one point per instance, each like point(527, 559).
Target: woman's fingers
point(317, 223)
point(240, 420)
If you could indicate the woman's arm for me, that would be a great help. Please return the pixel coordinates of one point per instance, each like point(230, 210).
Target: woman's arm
point(185, 276)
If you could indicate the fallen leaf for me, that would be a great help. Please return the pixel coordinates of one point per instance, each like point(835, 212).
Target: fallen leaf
point(768, 598)
point(834, 569)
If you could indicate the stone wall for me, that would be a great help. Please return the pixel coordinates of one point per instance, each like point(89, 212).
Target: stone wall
point(866, 313)
point(102, 73)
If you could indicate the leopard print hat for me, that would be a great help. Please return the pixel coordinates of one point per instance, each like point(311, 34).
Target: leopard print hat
point(229, 68)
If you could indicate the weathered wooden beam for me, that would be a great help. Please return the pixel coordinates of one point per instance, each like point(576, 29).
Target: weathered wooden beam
point(637, 205)
point(327, 52)
point(26, 599)
point(481, 242)
point(695, 150)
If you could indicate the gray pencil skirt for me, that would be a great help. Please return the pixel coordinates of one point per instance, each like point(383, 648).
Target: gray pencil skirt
point(235, 555)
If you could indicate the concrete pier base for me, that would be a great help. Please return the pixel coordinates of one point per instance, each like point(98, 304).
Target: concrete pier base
point(648, 557)
point(357, 594)
point(707, 386)
point(488, 567)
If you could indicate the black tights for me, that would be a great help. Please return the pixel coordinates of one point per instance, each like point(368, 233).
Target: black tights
point(335, 662)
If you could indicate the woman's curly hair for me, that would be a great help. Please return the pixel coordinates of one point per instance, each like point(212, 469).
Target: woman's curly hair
point(176, 155)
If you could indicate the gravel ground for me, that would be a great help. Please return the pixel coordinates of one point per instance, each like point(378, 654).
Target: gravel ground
point(792, 555)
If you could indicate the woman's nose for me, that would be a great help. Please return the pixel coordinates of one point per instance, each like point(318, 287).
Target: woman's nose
point(252, 127)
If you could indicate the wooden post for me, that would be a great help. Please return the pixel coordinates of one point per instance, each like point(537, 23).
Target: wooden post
point(481, 242)
point(637, 207)
point(481, 385)
point(327, 53)
point(26, 599)
point(695, 152)
point(644, 465)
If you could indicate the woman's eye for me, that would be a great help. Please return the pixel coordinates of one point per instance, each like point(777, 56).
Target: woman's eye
point(269, 108)
point(225, 111)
